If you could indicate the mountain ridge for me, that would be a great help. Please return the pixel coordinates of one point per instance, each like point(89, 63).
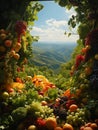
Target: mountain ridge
point(51, 55)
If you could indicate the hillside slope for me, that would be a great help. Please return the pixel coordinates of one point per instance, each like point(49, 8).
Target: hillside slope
point(51, 55)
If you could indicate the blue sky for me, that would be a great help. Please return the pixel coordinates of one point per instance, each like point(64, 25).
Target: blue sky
point(52, 23)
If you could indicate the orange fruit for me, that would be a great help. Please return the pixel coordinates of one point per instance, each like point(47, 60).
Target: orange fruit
point(8, 43)
point(83, 50)
point(43, 103)
point(16, 56)
point(88, 47)
point(88, 70)
point(88, 128)
point(82, 127)
point(18, 47)
point(88, 124)
point(94, 126)
point(58, 128)
point(73, 107)
point(51, 123)
point(67, 127)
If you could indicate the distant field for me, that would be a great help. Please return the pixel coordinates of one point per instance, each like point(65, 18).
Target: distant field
point(51, 55)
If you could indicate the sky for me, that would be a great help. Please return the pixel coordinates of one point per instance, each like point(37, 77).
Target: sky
point(52, 24)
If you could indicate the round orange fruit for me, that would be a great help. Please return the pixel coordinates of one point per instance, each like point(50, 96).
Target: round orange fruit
point(51, 123)
point(58, 128)
point(88, 128)
point(67, 127)
point(73, 107)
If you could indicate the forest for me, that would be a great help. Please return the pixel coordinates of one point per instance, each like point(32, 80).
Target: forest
point(34, 97)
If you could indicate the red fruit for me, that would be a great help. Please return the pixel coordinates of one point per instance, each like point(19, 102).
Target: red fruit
point(18, 69)
point(79, 59)
point(18, 80)
point(8, 43)
point(40, 122)
point(20, 27)
point(11, 90)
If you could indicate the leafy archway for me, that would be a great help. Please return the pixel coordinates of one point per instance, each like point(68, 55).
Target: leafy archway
point(34, 102)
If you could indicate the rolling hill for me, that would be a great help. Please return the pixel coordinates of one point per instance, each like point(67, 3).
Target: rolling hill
point(51, 55)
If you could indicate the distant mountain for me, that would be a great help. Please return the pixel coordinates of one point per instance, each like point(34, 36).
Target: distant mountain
point(51, 55)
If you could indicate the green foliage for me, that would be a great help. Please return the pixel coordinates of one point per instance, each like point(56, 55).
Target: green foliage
point(31, 12)
point(83, 30)
point(86, 15)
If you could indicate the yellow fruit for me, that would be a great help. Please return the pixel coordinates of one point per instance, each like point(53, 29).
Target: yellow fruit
point(16, 56)
point(32, 127)
point(29, 78)
point(5, 95)
point(67, 127)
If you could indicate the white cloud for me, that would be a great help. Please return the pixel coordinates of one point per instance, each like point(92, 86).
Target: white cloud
point(53, 32)
point(55, 23)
